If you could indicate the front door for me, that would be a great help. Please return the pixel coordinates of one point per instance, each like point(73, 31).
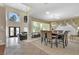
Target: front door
point(13, 31)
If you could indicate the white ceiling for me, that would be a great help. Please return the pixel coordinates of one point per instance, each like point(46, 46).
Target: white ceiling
point(56, 11)
point(48, 11)
point(18, 6)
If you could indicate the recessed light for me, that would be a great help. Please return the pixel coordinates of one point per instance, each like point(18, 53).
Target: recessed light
point(77, 27)
point(47, 12)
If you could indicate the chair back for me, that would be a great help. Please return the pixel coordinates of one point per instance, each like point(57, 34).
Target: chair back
point(49, 34)
point(60, 32)
point(54, 31)
point(43, 34)
point(65, 35)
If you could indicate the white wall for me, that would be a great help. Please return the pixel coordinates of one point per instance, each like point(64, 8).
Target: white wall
point(68, 27)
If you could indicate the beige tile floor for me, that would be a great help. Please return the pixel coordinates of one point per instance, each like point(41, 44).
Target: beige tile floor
point(71, 49)
point(14, 47)
point(34, 47)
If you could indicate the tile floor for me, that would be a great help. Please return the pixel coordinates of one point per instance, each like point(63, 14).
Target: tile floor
point(16, 47)
point(34, 47)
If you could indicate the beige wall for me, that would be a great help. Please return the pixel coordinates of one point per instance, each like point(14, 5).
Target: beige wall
point(5, 23)
point(15, 24)
point(2, 23)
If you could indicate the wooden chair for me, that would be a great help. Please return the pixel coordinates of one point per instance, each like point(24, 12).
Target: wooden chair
point(66, 37)
point(63, 39)
point(49, 37)
point(43, 36)
point(54, 37)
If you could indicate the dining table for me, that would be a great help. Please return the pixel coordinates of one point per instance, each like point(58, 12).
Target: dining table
point(57, 37)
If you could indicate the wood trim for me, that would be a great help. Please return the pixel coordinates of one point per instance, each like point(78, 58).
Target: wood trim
point(2, 49)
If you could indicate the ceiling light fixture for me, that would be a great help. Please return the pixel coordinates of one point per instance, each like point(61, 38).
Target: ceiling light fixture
point(47, 12)
point(78, 28)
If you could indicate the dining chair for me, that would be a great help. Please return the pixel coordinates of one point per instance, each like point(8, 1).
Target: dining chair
point(63, 39)
point(55, 37)
point(66, 37)
point(43, 36)
point(49, 37)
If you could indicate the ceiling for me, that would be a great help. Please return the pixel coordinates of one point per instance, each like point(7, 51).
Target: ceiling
point(18, 6)
point(53, 11)
point(48, 11)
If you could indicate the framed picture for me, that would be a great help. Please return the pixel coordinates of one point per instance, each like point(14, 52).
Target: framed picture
point(25, 19)
point(14, 17)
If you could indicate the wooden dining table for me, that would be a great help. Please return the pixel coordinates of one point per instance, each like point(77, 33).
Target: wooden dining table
point(58, 36)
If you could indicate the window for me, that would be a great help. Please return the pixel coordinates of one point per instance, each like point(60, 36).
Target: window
point(45, 26)
point(37, 26)
point(25, 29)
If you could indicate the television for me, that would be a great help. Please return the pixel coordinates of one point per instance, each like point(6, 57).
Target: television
point(14, 17)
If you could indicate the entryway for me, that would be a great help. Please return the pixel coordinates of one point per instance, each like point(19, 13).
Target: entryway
point(13, 31)
point(12, 39)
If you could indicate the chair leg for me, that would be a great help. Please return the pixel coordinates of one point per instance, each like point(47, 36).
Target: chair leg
point(51, 43)
point(66, 42)
point(56, 43)
point(63, 44)
point(45, 40)
point(41, 40)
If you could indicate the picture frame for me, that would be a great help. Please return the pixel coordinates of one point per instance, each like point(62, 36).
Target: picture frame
point(25, 19)
point(13, 16)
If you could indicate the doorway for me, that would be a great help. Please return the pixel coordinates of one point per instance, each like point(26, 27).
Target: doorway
point(13, 31)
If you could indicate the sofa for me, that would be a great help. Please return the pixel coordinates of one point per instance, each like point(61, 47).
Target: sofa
point(23, 36)
point(35, 34)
